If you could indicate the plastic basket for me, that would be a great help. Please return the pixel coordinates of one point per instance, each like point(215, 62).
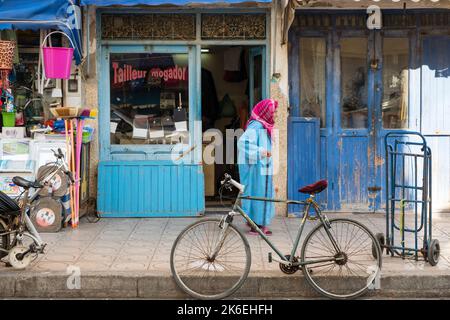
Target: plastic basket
point(7, 49)
point(9, 119)
point(57, 61)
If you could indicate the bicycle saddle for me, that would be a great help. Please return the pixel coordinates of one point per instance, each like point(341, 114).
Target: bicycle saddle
point(26, 184)
point(314, 188)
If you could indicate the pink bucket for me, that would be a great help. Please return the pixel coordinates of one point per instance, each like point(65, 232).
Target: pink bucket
point(57, 61)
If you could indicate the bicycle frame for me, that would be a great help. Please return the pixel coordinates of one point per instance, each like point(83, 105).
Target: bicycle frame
point(237, 210)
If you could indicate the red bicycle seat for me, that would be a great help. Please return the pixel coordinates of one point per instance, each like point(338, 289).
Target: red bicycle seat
point(316, 187)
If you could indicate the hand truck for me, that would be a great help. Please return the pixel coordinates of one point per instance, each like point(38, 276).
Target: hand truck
point(408, 194)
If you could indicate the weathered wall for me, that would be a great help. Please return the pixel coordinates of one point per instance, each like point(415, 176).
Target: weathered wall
point(90, 89)
point(279, 92)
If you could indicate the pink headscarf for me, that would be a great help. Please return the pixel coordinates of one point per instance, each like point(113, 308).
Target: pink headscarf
point(263, 112)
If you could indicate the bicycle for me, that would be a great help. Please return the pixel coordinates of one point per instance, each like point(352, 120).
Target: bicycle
point(340, 258)
point(15, 225)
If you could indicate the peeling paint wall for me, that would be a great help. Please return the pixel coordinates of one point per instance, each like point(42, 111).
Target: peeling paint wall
point(279, 91)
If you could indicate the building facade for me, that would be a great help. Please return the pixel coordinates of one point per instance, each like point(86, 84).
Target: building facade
point(341, 86)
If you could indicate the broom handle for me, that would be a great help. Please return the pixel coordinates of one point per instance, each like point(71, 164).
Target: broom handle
point(72, 168)
point(66, 125)
point(80, 125)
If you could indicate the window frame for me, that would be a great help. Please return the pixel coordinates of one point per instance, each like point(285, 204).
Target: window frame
point(393, 34)
point(323, 37)
point(350, 130)
point(147, 151)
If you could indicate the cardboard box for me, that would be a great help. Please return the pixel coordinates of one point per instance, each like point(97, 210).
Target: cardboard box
point(13, 132)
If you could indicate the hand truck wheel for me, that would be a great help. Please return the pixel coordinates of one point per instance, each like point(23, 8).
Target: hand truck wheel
point(433, 252)
point(380, 240)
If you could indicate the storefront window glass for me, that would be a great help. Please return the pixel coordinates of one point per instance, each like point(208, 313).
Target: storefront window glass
point(149, 98)
point(354, 83)
point(395, 83)
point(312, 78)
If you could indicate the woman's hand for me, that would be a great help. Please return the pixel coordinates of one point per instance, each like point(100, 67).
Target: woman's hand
point(266, 154)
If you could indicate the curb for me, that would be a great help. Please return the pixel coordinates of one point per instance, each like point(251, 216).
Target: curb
point(162, 286)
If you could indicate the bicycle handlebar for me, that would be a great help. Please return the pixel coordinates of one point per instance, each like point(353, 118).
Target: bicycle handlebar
point(230, 181)
point(59, 155)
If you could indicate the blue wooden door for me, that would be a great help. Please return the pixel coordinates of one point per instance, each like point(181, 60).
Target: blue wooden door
point(435, 106)
point(353, 121)
point(150, 132)
point(310, 121)
point(303, 158)
point(337, 89)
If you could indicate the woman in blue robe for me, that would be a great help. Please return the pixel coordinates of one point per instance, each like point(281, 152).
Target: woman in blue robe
point(256, 164)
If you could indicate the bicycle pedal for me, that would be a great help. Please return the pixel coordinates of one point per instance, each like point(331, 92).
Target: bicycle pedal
point(270, 257)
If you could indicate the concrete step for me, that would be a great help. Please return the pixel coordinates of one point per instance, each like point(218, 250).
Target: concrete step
point(156, 285)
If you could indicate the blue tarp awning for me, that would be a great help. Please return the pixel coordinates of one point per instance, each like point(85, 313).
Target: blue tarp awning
point(44, 14)
point(103, 3)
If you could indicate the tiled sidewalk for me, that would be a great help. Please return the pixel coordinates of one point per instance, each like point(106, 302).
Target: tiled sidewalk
point(143, 245)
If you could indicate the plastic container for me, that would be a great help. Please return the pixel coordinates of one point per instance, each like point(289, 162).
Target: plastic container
point(88, 133)
point(57, 61)
point(87, 137)
point(9, 119)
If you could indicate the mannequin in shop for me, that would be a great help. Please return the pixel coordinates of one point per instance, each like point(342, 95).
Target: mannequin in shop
point(256, 164)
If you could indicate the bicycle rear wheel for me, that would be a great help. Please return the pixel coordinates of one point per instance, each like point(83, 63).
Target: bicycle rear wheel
point(354, 267)
point(200, 275)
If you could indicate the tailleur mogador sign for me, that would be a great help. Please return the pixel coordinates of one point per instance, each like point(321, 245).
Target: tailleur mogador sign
point(127, 72)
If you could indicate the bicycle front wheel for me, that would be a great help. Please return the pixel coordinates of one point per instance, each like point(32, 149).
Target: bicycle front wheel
point(194, 267)
point(354, 264)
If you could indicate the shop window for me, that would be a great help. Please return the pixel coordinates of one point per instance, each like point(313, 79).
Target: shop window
point(354, 83)
point(395, 83)
point(149, 98)
point(312, 78)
